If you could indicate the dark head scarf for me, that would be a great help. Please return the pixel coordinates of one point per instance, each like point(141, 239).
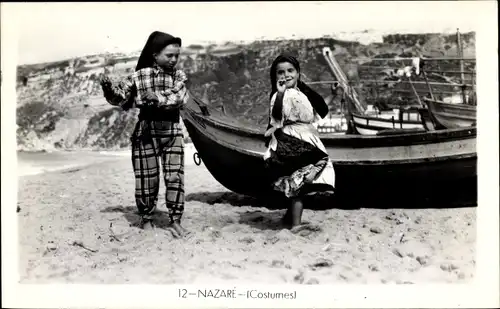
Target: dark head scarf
point(155, 43)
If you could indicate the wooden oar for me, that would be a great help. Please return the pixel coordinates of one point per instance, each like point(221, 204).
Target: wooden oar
point(460, 54)
point(415, 91)
point(427, 82)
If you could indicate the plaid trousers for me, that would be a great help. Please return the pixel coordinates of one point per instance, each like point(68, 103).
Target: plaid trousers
point(153, 141)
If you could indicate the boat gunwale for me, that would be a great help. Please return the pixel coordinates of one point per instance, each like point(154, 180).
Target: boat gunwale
point(460, 106)
point(355, 141)
point(377, 128)
point(439, 116)
point(243, 151)
point(454, 116)
point(439, 110)
point(391, 121)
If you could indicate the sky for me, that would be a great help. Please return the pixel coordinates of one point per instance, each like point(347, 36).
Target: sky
point(57, 31)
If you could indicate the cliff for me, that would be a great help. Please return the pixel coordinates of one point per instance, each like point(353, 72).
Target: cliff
point(60, 105)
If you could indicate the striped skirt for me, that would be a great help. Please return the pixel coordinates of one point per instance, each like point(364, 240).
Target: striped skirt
point(298, 168)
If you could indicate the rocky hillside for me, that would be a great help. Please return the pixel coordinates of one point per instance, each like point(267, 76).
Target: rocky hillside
point(60, 105)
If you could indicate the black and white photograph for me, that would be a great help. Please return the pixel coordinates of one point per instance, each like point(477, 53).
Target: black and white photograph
point(250, 154)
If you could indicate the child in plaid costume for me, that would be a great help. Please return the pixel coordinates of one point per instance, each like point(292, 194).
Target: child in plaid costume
point(159, 91)
point(178, 87)
point(169, 89)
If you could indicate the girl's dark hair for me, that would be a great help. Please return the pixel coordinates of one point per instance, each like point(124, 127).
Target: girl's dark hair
point(155, 43)
point(317, 101)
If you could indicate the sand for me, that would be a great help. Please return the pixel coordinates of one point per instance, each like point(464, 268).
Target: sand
point(79, 225)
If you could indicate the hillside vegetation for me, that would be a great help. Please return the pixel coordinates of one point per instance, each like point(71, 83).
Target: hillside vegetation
point(61, 108)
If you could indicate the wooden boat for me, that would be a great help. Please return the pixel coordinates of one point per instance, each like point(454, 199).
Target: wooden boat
point(374, 124)
point(363, 121)
point(451, 116)
point(379, 168)
point(336, 123)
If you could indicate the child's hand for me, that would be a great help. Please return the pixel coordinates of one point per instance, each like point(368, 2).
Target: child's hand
point(106, 86)
point(151, 98)
point(334, 87)
point(106, 82)
point(281, 85)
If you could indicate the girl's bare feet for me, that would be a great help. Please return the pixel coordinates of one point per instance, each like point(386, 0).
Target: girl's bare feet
point(179, 231)
point(147, 224)
point(293, 215)
point(296, 212)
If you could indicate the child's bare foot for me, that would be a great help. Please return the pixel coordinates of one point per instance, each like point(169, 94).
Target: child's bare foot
point(309, 227)
point(147, 225)
point(174, 232)
point(296, 212)
point(179, 230)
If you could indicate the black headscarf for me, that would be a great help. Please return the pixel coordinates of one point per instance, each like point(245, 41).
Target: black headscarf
point(155, 43)
point(317, 101)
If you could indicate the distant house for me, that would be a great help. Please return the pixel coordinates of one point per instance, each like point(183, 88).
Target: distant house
point(57, 74)
point(194, 49)
point(69, 70)
point(94, 62)
point(135, 54)
point(123, 66)
point(87, 73)
point(108, 69)
point(38, 77)
point(225, 50)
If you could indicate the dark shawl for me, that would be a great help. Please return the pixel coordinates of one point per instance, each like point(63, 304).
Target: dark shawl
point(317, 101)
point(155, 43)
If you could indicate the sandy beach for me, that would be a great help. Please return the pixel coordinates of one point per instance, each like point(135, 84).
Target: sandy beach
point(79, 225)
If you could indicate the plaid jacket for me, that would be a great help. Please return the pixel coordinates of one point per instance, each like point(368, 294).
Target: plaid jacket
point(169, 88)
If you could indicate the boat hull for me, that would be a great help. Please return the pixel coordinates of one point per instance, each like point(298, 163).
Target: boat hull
point(391, 166)
point(366, 125)
point(452, 116)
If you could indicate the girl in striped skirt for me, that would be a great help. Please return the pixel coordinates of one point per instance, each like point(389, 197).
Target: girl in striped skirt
point(297, 162)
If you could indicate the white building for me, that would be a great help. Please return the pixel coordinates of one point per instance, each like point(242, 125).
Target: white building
point(57, 74)
point(95, 71)
point(38, 77)
point(123, 66)
point(93, 62)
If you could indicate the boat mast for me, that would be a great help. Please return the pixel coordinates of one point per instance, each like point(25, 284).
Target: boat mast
point(415, 91)
point(428, 84)
point(460, 55)
point(342, 79)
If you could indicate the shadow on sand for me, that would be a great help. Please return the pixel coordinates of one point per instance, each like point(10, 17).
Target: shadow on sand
point(263, 220)
point(272, 220)
point(131, 214)
point(231, 198)
point(452, 196)
point(257, 219)
point(441, 198)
